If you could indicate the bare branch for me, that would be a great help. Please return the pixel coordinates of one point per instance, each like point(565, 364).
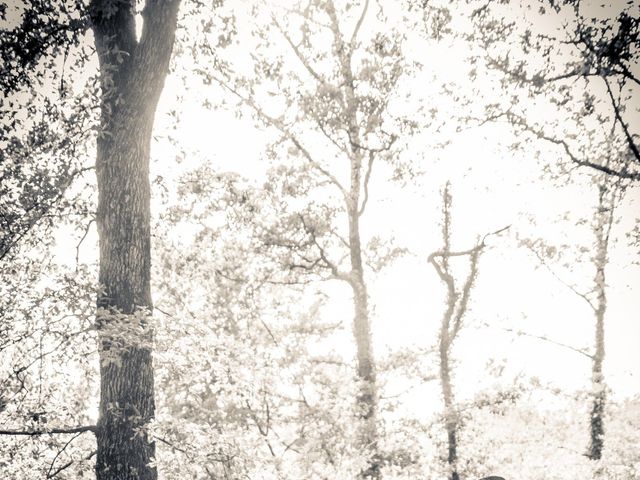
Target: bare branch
point(546, 339)
point(323, 255)
point(298, 53)
point(166, 442)
point(86, 232)
point(53, 462)
point(520, 121)
point(35, 433)
point(359, 24)
point(279, 124)
point(559, 279)
point(325, 132)
point(367, 177)
point(625, 128)
point(68, 464)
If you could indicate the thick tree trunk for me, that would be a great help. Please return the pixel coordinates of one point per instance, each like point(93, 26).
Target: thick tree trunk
point(126, 370)
point(132, 76)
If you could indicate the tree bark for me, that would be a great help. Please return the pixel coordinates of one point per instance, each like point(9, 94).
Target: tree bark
point(367, 398)
point(132, 76)
point(604, 219)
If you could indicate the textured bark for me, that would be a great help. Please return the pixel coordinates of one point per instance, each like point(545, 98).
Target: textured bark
point(132, 76)
point(604, 220)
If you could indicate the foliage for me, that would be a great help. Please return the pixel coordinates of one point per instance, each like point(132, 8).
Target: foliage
point(576, 64)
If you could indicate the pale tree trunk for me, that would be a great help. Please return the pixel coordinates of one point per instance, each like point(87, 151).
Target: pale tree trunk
point(603, 223)
point(367, 397)
point(452, 319)
point(132, 77)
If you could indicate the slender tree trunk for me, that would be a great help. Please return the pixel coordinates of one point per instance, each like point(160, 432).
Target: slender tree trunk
point(604, 217)
point(451, 419)
point(132, 77)
point(452, 320)
point(367, 399)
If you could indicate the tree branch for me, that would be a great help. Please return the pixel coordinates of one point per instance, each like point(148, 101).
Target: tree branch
point(625, 128)
point(49, 474)
point(367, 177)
point(546, 339)
point(520, 121)
point(34, 433)
point(558, 278)
point(67, 465)
point(323, 255)
point(298, 53)
point(279, 125)
point(359, 24)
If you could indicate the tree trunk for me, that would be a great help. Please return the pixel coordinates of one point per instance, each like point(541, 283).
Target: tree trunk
point(598, 385)
point(367, 398)
point(450, 416)
point(132, 76)
point(604, 218)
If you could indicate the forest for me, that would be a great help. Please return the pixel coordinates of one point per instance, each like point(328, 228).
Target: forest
point(320, 239)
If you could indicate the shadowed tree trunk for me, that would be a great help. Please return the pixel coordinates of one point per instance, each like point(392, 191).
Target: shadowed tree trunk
point(132, 74)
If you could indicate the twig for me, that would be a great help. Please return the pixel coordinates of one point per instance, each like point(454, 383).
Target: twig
point(86, 232)
point(559, 279)
point(359, 23)
point(298, 53)
point(166, 442)
point(68, 464)
point(546, 339)
point(49, 475)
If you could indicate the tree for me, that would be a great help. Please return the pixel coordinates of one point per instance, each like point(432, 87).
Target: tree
point(608, 197)
point(452, 321)
point(131, 73)
point(334, 88)
point(582, 67)
point(246, 363)
point(602, 229)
